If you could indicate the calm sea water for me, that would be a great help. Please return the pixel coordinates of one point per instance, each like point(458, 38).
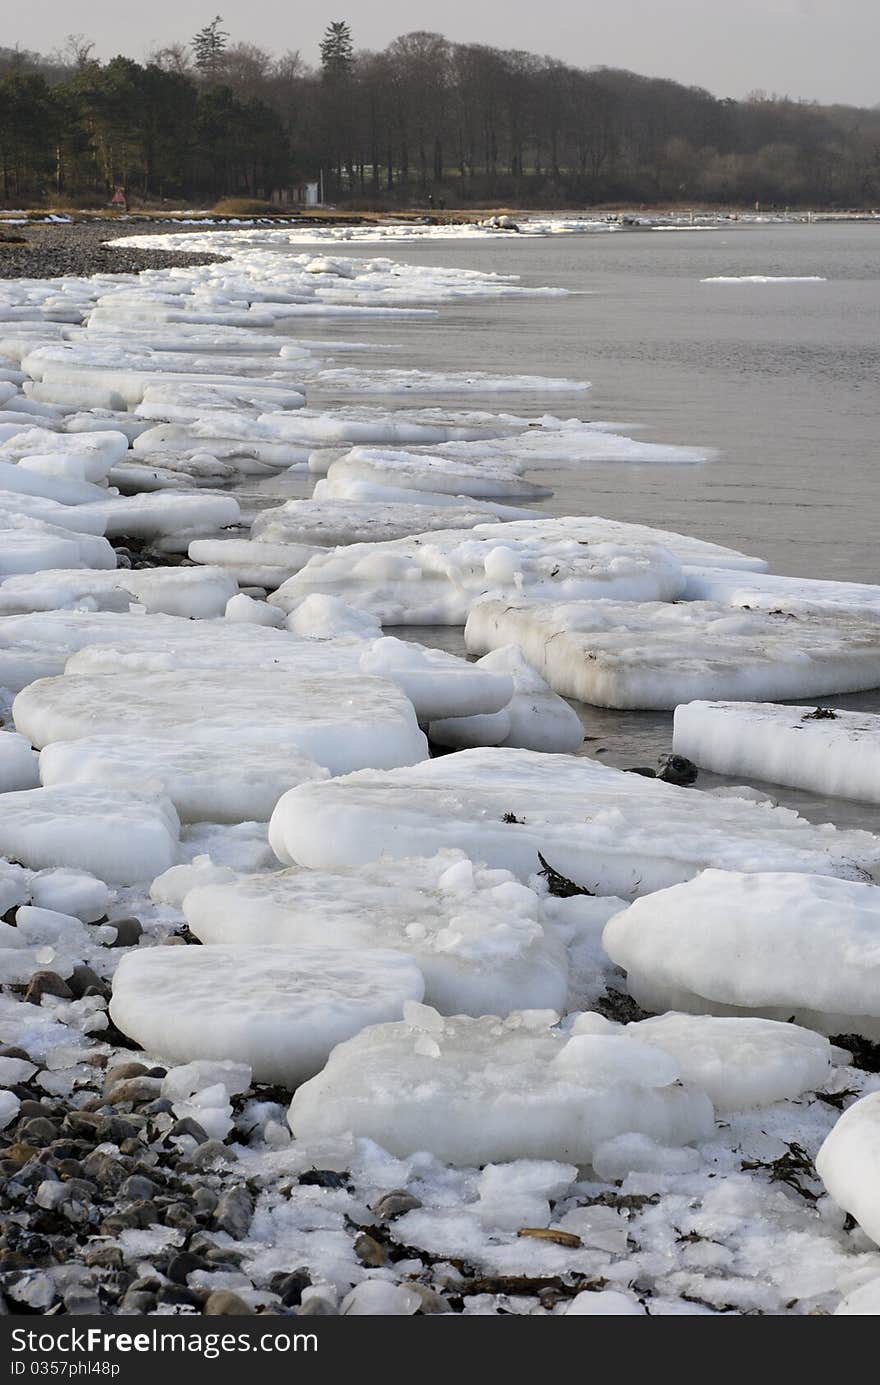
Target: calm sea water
point(783, 380)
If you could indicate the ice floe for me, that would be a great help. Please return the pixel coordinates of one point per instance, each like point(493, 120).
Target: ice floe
point(818, 748)
point(775, 944)
point(475, 1091)
point(281, 1010)
point(849, 1163)
point(651, 655)
point(477, 935)
point(609, 831)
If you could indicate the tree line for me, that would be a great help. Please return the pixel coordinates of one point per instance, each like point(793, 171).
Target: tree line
point(425, 121)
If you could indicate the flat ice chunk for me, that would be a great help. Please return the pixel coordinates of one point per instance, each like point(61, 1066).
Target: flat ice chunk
point(769, 592)
point(323, 617)
point(329, 523)
point(166, 512)
point(849, 1163)
point(604, 1303)
point(595, 529)
point(211, 773)
point(765, 279)
point(71, 517)
point(655, 655)
point(782, 945)
point(197, 593)
point(18, 763)
point(62, 490)
point(825, 751)
point(862, 1302)
point(740, 1062)
point(30, 545)
point(438, 684)
point(536, 718)
point(366, 721)
point(437, 579)
point(253, 564)
point(71, 892)
point(280, 1009)
point(117, 835)
point(613, 832)
point(424, 471)
point(476, 1091)
point(477, 935)
point(98, 451)
point(390, 382)
point(350, 490)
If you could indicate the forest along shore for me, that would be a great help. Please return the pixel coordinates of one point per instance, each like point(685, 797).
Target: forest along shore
point(300, 1015)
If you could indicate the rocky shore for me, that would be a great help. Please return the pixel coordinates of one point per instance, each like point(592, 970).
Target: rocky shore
point(61, 249)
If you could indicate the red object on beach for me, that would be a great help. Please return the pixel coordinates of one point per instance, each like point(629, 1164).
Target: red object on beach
point(118, 199)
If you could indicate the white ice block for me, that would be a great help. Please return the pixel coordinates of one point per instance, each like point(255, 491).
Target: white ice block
point(613, 832)
point(653, 655)
point(823, 750)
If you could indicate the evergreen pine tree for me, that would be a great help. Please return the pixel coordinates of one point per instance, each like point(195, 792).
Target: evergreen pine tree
point(208, 44)
point(337, 50)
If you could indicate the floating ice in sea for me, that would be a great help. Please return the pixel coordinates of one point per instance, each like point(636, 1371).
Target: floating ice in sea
point(367, 721)
point(419, 581)
point(650, 655)
point(253, 564)
point(328, 523)
point(120, 836)
point(429, 472)
point(477, 935)
point(775, 944)
point(145, 516)
point(612, 832)
point(475, 1091)
point(97, 451)
point(29, 545)
point(765, 279)
point(197, 593)
point(771, 592)
point(820, 749)
point(218, 772)
point(849, 1163)
point(534, 719)
point(279, 1009)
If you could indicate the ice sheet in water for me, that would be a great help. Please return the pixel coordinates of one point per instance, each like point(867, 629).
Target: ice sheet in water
point(220, 772)
point(779, 945)
point(196, 593)
point(613, 832)
point(474, 1091)
point(476, 935)
point(825, 751)
point(117, 835)
point(365, 722)
point(654, 656)
point(280, 1009)
point(424, 471)
point(769, 591)
point(328, 523)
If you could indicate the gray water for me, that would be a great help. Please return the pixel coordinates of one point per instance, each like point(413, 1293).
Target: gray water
point(781, 379)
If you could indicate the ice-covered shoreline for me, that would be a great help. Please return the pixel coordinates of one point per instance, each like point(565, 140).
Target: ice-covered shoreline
point(328, 865)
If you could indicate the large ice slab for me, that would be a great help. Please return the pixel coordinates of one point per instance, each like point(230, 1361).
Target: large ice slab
point(654, 656)
point(329, 523)
point(71, 517)
point(534, 719)
point(436, 579)
point(740, 1062)
point(776, 944)
point(29, 545)
point(117, 835)
point(253, 564)
point(280, 1009)
point(366, 721)
point(849, 1163)
point(612, 832)
point(225, 771)
point(476, 1091)
point(163, 512)
point(96, 451)
point(428, 472)
point(820, 749)
point(477, 935)
point(197, 593)
point(770, 592)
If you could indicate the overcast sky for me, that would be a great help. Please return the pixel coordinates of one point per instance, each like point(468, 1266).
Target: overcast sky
point(825, 50)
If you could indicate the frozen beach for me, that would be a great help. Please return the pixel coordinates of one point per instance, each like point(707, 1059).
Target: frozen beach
point(347, 967)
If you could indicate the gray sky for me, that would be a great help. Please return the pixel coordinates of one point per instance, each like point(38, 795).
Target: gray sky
point(816, 49)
